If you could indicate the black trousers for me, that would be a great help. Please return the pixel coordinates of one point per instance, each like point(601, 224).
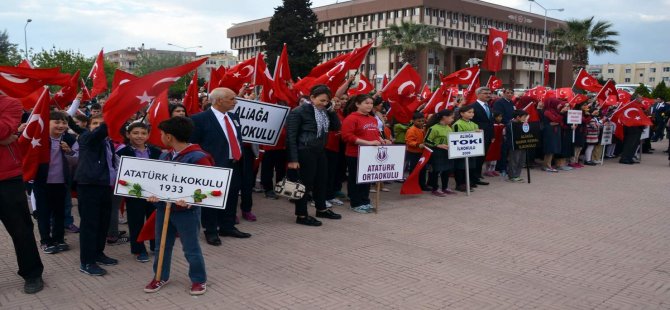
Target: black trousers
point(359, 194)
point(313, 173)
point(272, 165)
point(50, 205)
point(15, 215)
point(444, 177)
point(138, 211)
point(214, 219)
point(248, 179)
point(631, 140)
point(337, 173)
point(95, 209)
point(413, 160)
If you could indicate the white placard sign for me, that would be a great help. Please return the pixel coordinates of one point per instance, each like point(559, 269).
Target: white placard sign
point(645, 133)
point(466, 144)
point(261, 122)
point(574, 117)
point(608, 131)
point(173, 181)
point(380, 163)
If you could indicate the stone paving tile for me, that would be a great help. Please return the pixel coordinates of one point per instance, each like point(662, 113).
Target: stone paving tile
point(594, 238)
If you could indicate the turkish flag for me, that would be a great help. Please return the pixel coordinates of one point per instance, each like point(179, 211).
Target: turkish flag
point(461, 77)
point(282, 68)
point(469, 94)
point(646, 102)
point(546, 72)
point(215, 76)
point(612, 100)
point(85, 94)
point(425, 92)
point(495, 50)
point(364, 87)
point(324, 67)
point(25, 63)
point(533, 116)
point(579, 98)
point(136, 94)
point(385, 81)
point(411, 185)
point(440, 100)
point(66, 94)
point(20, 82)
point(239, 74)
point(333, 78)
point(537, 92)
point(158, 112)
point(564, 93)
point(282, 79)
point(148, 231)
point(494, 83)
point(98, 75)
point(401, 93)
point(357, 56)
point(631, 115)
point(624, 96)
point(191, 100)
point(609, 89)
point(587, 82)
point(121, 77)
point(34, 141)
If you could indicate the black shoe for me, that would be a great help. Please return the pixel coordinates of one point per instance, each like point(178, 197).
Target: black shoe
point(92, 270)
point(426, 189)
point(329, 214)
point(106, 260)
point(626, 162)
point(213, 240)
point(590, 163)
point(482, 183)
point(235, 233)
point(62, 247)
point(463, 188)
point(271, 195)
point(33, 285)
point(473, 185)
point(307, 220)
point(49, 249)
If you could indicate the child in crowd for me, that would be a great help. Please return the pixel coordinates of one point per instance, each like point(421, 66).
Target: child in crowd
point(437, 138)
point(336, 166)
point(465, 123)
point(184, 218)
point(516, 157)
point(414, 138)
point(593, 129)
point(95, 176)
point(137, 209)
point(359, 128)
point(494, 152)
point(52, 184)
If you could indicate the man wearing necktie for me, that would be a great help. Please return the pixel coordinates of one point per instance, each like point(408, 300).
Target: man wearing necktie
point(484, 119)
point(218, 132)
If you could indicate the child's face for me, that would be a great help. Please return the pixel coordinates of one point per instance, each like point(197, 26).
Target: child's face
point(498, 119)
point(365, 107)
point(419, 122)
point(138, 136)
point(95, 112)
point(179, 111)
point(57, 127)
point(95, 123)
point(166, 139)
point(448, 120)
point(468, 115)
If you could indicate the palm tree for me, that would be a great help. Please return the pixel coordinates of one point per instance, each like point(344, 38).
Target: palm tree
point(409, 38)
point(582, 36)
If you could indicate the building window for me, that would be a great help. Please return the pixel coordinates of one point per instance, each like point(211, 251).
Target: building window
point(666, 79)
point(626, 80)
point(652, 70)
point(641, 74)
point(627, 70)
point(666, 69)
point(652, 79)
point(610, 70)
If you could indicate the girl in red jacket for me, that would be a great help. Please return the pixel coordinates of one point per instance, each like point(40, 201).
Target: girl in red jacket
point(359, 128)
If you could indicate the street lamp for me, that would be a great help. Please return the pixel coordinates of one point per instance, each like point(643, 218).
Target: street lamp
point(544, 38)
point(184, 48)
point(25, 36)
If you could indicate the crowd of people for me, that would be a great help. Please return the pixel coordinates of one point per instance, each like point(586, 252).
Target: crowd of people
point(318, 147)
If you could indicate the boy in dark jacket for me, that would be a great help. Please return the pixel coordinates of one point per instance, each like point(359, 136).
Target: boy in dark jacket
point(185, 218)
point(516, 157)
point(95, 177)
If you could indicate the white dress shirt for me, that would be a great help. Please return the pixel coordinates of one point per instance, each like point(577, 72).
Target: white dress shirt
point(220, 117)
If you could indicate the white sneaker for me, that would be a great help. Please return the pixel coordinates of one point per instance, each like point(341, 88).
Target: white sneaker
point(335, 202)
point(328, 204)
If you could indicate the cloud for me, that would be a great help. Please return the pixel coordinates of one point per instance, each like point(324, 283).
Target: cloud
point(653, 18)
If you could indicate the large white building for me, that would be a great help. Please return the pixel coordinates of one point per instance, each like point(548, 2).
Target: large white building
point(645, 72)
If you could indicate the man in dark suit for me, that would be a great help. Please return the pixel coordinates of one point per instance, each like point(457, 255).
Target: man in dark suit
point(218, 132)
point(505, 106)
point(658, 111)
point(484, 119)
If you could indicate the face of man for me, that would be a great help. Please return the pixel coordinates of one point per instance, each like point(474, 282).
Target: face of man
point(508, 94)
point(484, 95)
point(225, 102)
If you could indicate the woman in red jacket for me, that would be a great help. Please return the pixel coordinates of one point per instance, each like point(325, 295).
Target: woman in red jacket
point(359, 128)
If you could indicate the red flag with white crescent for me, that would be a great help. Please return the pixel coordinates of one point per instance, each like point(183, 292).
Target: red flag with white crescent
point(411, 185)
point(66, 94)
point(158, 112)
point(239, 74)
point(98, 76)
point(461, 77)
point(401, 93)
point(364, 87)
point(587, 82)
point(609, 89)
point(35, 141)
point(494, 83)
point(495, 50)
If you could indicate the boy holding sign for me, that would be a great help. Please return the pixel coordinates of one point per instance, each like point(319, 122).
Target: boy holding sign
point(184, 219)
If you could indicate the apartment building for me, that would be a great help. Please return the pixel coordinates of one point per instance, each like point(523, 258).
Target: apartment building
point(462, 27)
point(216, 59)
point(646, 72)
point(126, 59)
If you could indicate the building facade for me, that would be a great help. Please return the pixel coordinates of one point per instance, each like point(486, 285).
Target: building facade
point(126, 59)
point(647, 72)
point(462, 28)
point(216, 59)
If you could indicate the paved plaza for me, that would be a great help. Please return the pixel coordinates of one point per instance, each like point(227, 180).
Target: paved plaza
point(594, 238)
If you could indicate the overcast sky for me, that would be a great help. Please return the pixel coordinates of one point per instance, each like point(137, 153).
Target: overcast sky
point(88, 25)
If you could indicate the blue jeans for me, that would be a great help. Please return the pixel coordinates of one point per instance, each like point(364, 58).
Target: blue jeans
point(187, 224)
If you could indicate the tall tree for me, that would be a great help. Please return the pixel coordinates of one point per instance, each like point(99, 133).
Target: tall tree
point(581, 36)
point(661, 91)
point(293, 23)
point(408, 38)
point(642, 90)
point(9, 53)
point(70, 61)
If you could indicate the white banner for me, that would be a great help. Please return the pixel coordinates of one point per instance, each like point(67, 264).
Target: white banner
point(574, 117)
point(173, 181)
point(261, 122)
point(380, 163)
point(466, 144)
point(645, 133)
point(608, 131)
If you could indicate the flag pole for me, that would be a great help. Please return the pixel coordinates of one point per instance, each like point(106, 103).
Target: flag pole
point(467, 176)
point(161, 249)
